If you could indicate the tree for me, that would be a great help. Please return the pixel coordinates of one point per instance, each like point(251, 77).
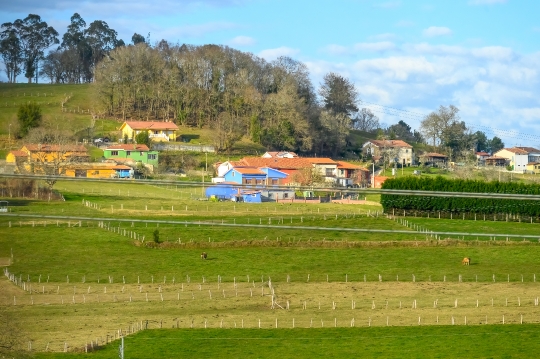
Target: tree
point(101, 39)
point(339, 95)
point(481, 141)
point(434, 124)
point(35, 37)
point(336, 127)
point(495, 144)
point(28, 116)
point(143, 138)
point(366, 121)
point(402, 131)
point(155, 234)
point(78, 53)
point(11, 51)
point(137, 39)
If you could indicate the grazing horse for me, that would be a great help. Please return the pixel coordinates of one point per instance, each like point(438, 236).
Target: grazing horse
point(203, 255)
point(466, 261)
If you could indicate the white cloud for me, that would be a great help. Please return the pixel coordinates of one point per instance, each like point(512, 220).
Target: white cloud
point(242, 41)
point(434, 31)
point(272, 54)
point(361, 47)
point(486, 2)
point(494, 53)
point(375, 46)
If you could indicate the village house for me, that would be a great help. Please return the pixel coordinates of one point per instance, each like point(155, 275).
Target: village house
point(131, 154)
point(349, 174)
point(515, 157)
point(157, 131)
point(280, 154)
point(397, 151)
point(433, 159)
point(46, 158)
point(99, 170)
point(481, 157)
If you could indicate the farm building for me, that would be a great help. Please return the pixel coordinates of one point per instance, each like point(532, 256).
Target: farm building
point(97, 170)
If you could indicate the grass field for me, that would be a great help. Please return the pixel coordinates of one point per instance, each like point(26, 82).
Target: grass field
point(79, 283)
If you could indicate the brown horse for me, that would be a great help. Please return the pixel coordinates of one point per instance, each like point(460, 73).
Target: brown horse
point(203, 255)
point(466, 261)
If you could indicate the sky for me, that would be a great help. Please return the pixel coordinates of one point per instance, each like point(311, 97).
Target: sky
point(405, 57)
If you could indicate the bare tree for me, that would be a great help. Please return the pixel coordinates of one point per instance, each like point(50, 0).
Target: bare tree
point(365, 120)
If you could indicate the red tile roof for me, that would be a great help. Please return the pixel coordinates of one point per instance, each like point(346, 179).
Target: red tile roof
point(390, 143)
point(19, 153)
point(33, 147)
point(249, 171)
point(277, 163)
point(349, 166)
point(129, 147)
point(517, 151)
point(150, 125)
point(321, 160)
point(528, 149)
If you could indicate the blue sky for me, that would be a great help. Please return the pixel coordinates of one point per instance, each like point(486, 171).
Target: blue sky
point(482, 56)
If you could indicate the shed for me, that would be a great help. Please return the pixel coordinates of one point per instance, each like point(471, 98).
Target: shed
point(222, 190)
point(251, 196)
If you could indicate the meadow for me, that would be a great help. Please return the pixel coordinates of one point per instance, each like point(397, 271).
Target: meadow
point(298, 271)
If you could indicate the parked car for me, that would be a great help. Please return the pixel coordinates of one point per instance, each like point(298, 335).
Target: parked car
point(98, 140)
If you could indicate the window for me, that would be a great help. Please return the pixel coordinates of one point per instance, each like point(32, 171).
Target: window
point(233, 173)
point(95, 172)
point(128, 153)
point(329, 172)
point(285, 195)
point(141, 153)
point(274, 181)
point(114, 153)
point(152, 157)
point(253, 195)
point(259, 181)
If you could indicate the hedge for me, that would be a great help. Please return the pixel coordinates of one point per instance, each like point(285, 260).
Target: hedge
point(460, 204)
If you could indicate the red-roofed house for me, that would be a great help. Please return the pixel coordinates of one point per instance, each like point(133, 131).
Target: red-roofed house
point(481, 157)
point(349, 174)
point(516, 157)
point(397, 150)
point(135, 153)
point(157, 131)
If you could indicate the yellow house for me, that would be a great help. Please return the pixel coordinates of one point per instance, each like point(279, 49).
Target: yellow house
point(157, 131)
point(533, 167)
point(99, 170)
point(51, 153)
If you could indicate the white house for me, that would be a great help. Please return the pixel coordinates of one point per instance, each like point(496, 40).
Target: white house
point(516, 157)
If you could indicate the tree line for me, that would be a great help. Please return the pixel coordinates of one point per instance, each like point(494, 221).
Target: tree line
point(236, 94)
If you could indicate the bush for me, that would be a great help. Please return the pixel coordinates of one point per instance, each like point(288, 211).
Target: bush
point(29, 116)
point(156, 236)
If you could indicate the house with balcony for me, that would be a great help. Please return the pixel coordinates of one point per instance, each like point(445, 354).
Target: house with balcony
point(131, 154)
point(349, 174)
point(157, 130)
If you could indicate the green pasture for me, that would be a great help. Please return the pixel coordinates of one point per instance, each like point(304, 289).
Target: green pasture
point(508, 341)
point(94, 253)
point(75, 115)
